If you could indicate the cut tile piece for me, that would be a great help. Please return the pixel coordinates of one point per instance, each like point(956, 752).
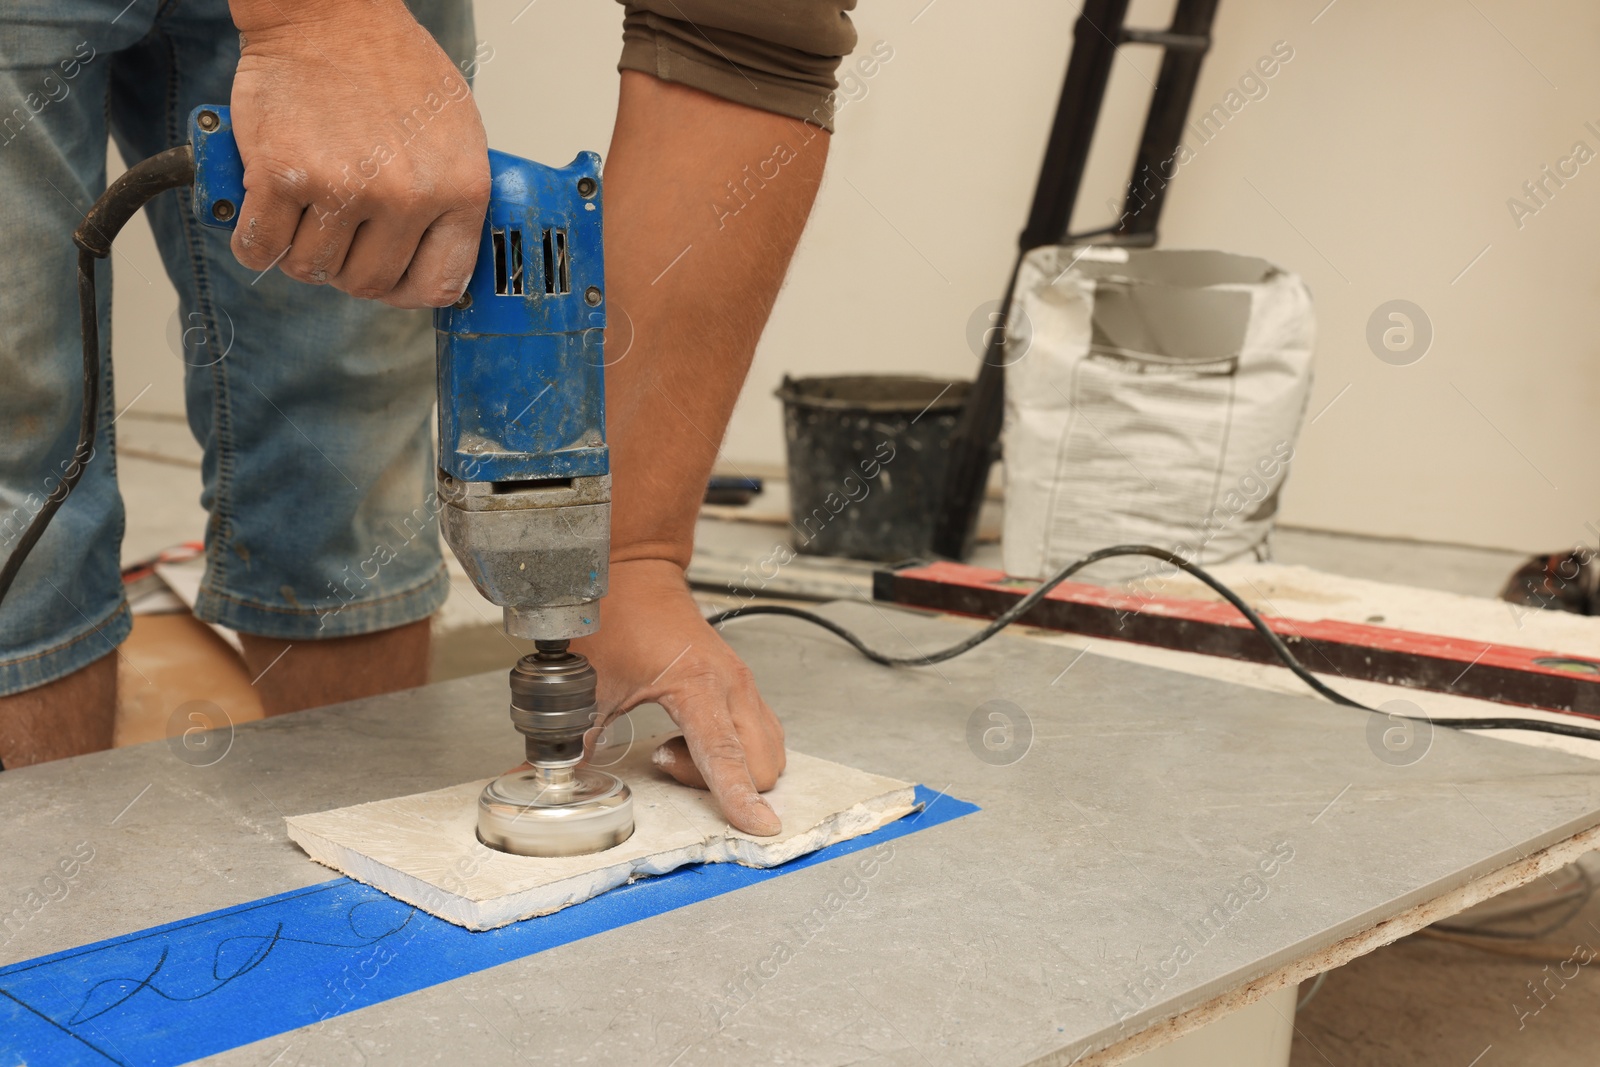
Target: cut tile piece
point(423, 849)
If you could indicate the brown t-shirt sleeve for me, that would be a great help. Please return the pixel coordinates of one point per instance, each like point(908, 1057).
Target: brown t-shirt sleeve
point(776, 55)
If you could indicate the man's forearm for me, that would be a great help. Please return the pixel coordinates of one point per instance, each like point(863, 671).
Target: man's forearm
point(705, 201)
point(250, 15)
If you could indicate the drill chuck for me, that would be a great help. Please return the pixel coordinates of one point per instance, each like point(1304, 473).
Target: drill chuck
point(553, 703)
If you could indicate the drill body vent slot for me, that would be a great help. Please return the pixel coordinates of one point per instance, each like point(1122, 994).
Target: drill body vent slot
point(508, 265)
point(557, 266)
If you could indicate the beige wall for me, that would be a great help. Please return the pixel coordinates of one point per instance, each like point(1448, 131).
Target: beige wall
point(1381, 164)
point(1378, 165)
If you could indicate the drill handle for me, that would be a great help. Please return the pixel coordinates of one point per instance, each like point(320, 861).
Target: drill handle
point(218, 170)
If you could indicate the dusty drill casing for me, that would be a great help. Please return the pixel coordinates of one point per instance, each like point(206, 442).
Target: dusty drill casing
point(524, 473)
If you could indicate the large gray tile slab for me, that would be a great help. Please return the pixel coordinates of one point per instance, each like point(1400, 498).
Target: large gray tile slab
point(1048, 922)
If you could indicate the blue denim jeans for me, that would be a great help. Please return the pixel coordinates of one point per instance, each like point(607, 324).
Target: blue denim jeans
point(312, 407)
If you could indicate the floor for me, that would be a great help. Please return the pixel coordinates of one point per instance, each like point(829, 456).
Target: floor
point(1451, 568)
point(1419, 1002)
point(1432, 1003)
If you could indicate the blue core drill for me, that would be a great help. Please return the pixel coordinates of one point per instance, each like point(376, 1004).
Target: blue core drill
point(524, 481)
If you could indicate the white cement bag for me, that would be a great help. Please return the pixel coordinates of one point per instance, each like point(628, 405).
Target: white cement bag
point(1153, 397)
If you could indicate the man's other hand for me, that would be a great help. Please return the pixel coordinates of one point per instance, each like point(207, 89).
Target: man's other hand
point(654, 646)
point(365, 163)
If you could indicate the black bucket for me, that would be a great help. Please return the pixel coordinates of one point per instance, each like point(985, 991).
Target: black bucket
point(867, 456)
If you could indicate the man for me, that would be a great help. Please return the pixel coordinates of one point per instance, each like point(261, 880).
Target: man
point(316, 423)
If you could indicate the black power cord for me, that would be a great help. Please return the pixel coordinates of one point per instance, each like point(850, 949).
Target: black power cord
point(1021, 607)
point(119, 203)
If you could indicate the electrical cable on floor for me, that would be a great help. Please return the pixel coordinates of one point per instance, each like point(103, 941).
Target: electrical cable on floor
point(1316, 987)
point(1582, 886)
point(1482, 929)
point(1021, 607)
point(1515, 950)
point(1509, 943)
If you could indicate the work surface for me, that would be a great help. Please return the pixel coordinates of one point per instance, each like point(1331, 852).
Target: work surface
point(1146, 841)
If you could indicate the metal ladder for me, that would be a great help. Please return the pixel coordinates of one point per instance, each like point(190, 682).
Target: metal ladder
point(974, 444)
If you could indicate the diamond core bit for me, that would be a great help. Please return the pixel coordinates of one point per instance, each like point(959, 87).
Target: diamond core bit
point(572, 813)
point(554, 807)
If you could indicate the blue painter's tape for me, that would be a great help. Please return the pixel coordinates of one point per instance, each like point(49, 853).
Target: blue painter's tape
point(213, 982)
